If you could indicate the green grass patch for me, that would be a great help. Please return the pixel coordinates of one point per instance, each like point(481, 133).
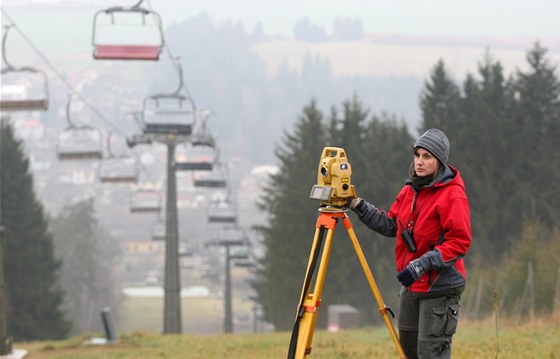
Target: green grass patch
point(473, 340)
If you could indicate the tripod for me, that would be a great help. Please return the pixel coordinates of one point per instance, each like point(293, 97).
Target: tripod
point(304, 325)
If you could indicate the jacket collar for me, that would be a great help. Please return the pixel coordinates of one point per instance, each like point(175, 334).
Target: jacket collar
point(444, 177)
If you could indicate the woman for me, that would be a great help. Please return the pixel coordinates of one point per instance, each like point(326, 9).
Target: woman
point(431, 220)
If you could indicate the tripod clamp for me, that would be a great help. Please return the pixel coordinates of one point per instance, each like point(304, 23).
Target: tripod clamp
point(385, 310)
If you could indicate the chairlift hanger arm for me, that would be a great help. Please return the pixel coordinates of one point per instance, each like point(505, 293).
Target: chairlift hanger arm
point(70, 123)
point(109, 150)
point(4, 37)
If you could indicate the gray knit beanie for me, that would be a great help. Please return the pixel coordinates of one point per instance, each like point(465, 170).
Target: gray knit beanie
point(436, 142)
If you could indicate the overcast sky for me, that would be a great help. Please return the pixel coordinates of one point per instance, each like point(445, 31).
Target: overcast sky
point(500, 18)
point(422, 17)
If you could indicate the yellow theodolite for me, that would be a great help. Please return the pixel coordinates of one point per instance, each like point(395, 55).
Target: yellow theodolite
point(334, 189)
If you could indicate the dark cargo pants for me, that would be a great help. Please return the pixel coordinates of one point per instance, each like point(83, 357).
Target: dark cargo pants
point(426, 325)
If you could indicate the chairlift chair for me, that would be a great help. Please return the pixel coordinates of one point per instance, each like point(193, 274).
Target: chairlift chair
point(241, 253)
point(229, 234)
point(145, 201)
point(79, 142)
point(202, 137)
point(222, 211)
point(244, 264)
point(24, 88)
point(158, 231)
point(169, 114)
point(216, 178)
point(191, 157)
point(117, 168)
point(127, 33)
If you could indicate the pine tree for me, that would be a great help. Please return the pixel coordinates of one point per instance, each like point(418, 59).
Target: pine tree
point(292, 215)
point(34, 297)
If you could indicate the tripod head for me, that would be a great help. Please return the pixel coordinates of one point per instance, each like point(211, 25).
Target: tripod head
point(334, 173)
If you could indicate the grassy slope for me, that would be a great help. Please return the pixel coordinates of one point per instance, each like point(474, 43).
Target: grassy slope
point(474, 340)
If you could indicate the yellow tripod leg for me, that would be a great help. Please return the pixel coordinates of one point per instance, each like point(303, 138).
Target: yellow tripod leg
point(382, 307)
point(312, 299)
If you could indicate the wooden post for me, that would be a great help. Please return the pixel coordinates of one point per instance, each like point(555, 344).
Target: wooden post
point(556, 306)
point(528, 295)
point(478, 297)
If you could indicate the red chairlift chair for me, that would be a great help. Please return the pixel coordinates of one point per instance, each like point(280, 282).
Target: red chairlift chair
point(116, 39)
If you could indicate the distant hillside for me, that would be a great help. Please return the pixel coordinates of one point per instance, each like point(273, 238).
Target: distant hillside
point(397, 55)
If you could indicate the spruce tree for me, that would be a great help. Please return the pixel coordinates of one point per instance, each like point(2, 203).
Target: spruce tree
point(288, 234)
point(34, 297)
point(480, 143)
point(87, 253)
point(345, 282)
point(537, 117)
point(439, 101)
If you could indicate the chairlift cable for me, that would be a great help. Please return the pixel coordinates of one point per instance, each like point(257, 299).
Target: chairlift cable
point(60, 76)
point(172, 59)
point(69, 85)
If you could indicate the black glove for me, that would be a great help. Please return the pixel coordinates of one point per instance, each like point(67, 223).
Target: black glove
point(414, 270)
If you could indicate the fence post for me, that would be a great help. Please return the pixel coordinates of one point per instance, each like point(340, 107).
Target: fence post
point(556, 306)
point(108, 325)
point(478, 297)
point(528, 294)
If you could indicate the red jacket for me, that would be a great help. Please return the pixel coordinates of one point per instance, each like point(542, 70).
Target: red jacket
point(440, 219)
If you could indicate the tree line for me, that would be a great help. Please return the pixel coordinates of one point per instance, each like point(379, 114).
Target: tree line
point(504, 134)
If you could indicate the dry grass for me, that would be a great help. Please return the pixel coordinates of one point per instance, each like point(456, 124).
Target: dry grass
point(475, 339)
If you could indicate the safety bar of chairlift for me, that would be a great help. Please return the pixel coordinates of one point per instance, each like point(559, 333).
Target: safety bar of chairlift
point(168, 128)
point(118, 178)
point(121, 175)
point(77, 155)
point(210, 183)
point(244, 264)
point(145, 207)
point(138, 140)
point(222, 218)
point(225, 242)
point(207, 141)
point(194, 166)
